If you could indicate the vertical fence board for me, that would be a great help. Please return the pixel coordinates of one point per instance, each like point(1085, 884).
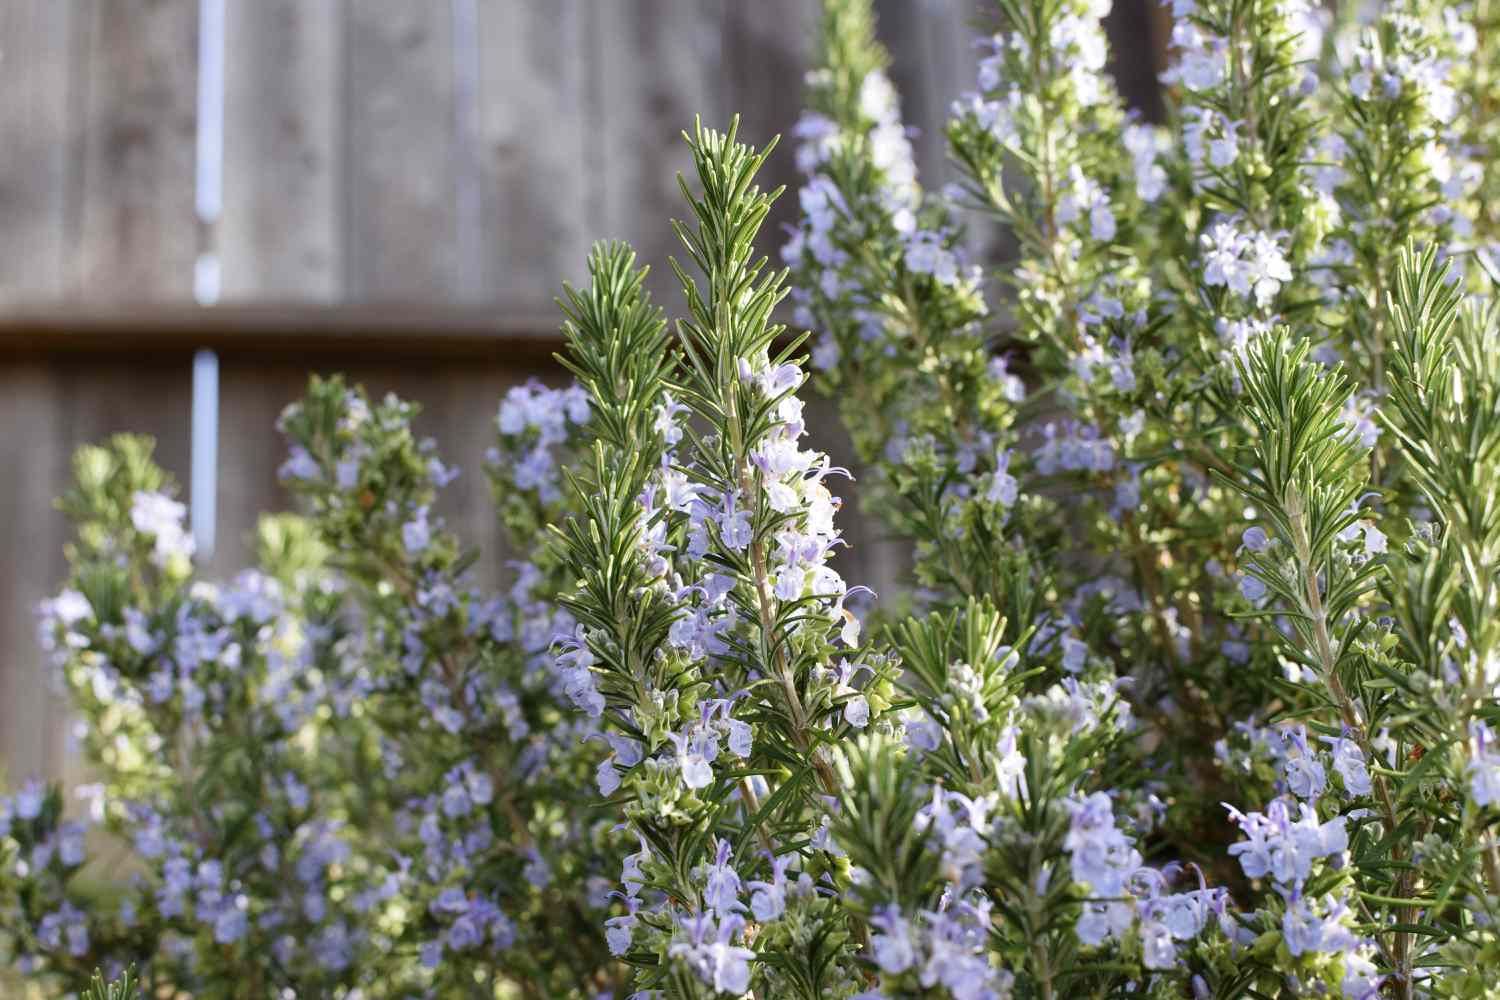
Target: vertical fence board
point(951, 58)
point(901, 26)
point(98, 400)
point(281, 235)
point(539, 160)
point(933, 61)
point(646, 95)
point(1138, 31)
point(251, 397)
point(768, 47)
point(952, 62)
point(31, 540)
point(139, 229)
point(36, 63)
point(401, 217)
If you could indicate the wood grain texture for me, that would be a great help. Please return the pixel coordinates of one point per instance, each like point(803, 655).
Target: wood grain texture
point(252, 396)
point(645, 94)
point(48, 411)
point(538, 158)
point(934, 60)
point(281, 237)
point(36, 169)
point(902, 26)
point(766, 42)
point(400, 217)
point(138, 235)
point(1139, 31)
point(426, 153)
point(949, 31)
point(33, 454)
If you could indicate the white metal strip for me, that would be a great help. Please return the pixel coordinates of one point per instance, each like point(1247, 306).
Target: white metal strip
point(209, 202)
point(205, 484)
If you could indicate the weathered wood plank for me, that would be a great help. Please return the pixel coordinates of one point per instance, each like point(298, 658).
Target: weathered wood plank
point(138, 227)
point(538, 157)
point(32, 452)
point(902, 27)
point(251, 397)
point(952, 58)
point(767, 50)
point(281, 237)
point(36, 86)
point(278, 331)
point(934, 59)
point(1138, 33)
point(401, 214)
point(647, 92)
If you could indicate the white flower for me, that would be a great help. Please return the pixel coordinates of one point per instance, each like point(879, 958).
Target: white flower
point(299, 465)
point(694, 754)
point(1158, 950)
point(1003, 487)
point(607, 778)
point(617, 933)
point(790, 581)
point(1010, 768)
point(781, 497)
point(1244, 264)
point(159, 516)
point(857, 712)
point(1203, 61)
point(1224, 150)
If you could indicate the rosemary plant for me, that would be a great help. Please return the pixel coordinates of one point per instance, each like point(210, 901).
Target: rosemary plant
point(1195, 691)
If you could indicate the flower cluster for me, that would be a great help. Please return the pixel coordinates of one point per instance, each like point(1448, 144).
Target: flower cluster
point(181, 676)
point(539, 436)
point(271, 691)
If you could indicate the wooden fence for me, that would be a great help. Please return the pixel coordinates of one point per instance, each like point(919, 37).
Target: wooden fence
point(405, 184)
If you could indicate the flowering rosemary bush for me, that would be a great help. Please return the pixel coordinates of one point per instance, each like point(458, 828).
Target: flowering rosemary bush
point(1195, 692)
